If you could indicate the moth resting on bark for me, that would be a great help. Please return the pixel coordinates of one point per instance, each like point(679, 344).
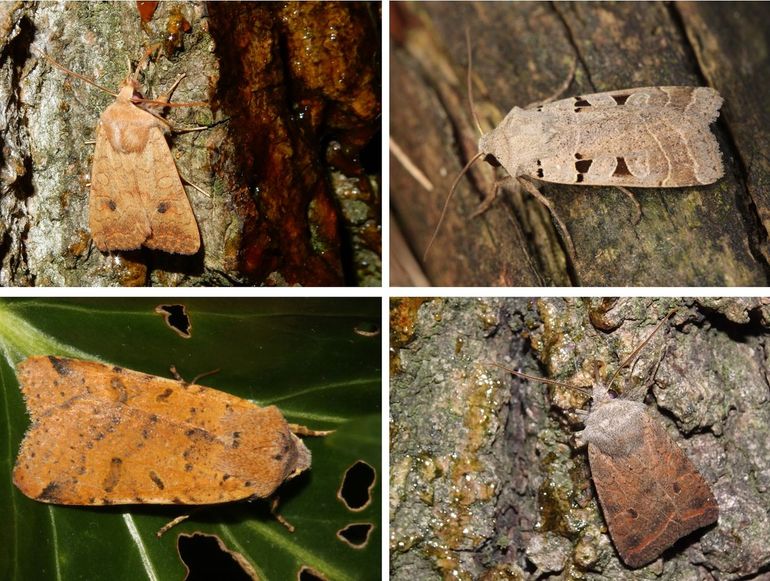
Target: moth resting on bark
point(137, 198)
point(650, 492)
point(651, 137)
point(648, 137)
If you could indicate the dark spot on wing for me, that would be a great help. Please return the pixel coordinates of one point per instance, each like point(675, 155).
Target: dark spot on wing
point(61, 366)
point(621, 169)
point(50, 492)
point(165, 395)
point(583, 165)
point(199, 434)
point(621, 99)
point(113, 476)
point(117, 384)
point(112, 205)
point(162, 207)
point(156, 479)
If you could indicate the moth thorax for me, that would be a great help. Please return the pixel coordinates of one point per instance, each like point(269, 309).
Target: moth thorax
point(611, 425)
point(517, 141)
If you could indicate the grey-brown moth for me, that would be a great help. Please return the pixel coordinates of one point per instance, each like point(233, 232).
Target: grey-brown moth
point(648, 137)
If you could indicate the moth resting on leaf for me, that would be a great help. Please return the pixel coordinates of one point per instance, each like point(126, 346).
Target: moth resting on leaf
point(103, 434)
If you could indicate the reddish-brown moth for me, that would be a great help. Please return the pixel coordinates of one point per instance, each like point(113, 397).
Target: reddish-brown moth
point(137, 198)
point(106, 435)
point(649, 490)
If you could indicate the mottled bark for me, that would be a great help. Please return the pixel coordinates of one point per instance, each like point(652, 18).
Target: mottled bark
point(522, 52)
point(486, 478)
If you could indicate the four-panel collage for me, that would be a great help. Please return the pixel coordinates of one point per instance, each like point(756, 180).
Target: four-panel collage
point(410, 290)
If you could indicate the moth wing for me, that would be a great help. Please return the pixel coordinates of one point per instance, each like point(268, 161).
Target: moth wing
point(172, 222)
point(644, 137)
point(91, 452)
point(652, 497)
point(703, 102)
point(116, 215)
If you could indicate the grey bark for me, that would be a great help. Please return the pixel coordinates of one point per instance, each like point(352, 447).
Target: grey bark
point(486, 479)
point(49, 119)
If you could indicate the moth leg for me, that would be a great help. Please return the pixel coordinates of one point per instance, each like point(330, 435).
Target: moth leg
point(171, 524)
point(176, 375)
point(570, 246)
point(278, 517)
point(299, 430)
point(633, 199)
point(166, 97)
point(490, 198)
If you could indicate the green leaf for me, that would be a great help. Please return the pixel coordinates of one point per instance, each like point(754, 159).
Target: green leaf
point(307, 356)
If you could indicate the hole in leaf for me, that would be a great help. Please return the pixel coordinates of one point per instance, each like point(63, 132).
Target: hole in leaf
point(206, 557)
point(356, 488)
point(367, 329)
point(308, 574)
point(356, 534)
point(176, 318)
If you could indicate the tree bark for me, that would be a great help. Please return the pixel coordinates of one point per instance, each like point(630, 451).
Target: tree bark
point(522, 52)
point(296, 205)
point(486, 477)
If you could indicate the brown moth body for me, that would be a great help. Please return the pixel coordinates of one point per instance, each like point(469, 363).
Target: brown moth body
point(649, 137)
point(107, 435)
point(650, 492)
point(137, 198)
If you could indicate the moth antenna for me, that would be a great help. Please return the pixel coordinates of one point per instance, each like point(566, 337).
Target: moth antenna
point(526, 376)
point(636, 351)
point(74, 74)
point(473, 160)
point(470, 83)
point(166, 104)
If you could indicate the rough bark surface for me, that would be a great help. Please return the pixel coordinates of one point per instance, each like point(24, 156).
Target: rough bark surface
point(486, 478)
point(306, 214)
point(522, 53)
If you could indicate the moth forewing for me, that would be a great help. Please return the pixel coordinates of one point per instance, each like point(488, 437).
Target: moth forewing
point(644, 137)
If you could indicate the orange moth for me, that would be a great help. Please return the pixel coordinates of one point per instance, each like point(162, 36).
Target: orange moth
point(104, 435)
point(137, 198)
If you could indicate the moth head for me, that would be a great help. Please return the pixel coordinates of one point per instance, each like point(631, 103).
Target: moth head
point(302, 460)
point(129, 90)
